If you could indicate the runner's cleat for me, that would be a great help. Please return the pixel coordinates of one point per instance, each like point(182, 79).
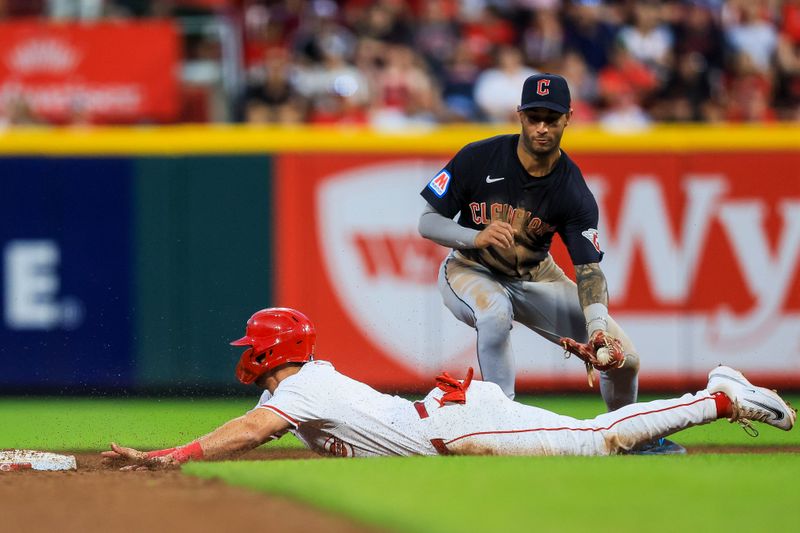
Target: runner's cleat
point(750, 402)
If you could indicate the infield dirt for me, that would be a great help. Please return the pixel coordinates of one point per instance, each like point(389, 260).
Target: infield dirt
point(97, 498)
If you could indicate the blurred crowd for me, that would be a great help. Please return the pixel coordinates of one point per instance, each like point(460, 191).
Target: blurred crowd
point(396, 63)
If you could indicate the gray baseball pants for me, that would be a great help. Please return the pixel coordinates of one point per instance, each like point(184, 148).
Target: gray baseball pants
point(490, 303)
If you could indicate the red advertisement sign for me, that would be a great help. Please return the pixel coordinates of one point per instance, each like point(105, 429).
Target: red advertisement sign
point(702, 257)
point(104, 71)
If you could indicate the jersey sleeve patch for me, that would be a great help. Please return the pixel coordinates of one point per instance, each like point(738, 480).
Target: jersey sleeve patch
point(593, 236)
point(440, 183)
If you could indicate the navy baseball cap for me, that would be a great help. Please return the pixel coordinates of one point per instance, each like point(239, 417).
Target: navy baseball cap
point(545, 90)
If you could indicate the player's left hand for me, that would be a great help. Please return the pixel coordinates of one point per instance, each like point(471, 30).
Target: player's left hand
point(608, 350)
point(135, 460)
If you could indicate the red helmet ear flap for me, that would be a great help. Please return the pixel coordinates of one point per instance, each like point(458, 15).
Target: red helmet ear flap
point(250, 368)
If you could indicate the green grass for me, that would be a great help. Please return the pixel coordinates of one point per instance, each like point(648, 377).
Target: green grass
point(90, 424)
point(486, 494)
point(466, 494)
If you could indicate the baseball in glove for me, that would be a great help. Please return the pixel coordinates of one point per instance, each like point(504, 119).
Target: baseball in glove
point(602, 352)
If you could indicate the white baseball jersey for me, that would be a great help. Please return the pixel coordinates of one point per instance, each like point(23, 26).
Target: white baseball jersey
point(334, 414)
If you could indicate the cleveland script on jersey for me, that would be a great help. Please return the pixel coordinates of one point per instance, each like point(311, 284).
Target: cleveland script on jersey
point(485, 181)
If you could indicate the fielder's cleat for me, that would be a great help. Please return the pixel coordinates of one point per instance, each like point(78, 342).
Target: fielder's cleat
point(660, 446)
point(750, 402)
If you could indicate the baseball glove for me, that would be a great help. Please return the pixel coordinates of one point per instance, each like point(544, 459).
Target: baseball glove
point(602, 352)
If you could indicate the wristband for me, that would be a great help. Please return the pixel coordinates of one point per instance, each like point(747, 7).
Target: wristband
point(188, 452)
point(160, 453)
point(596, 318)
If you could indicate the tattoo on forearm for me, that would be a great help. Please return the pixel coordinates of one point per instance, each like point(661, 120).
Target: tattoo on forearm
point(592, 287)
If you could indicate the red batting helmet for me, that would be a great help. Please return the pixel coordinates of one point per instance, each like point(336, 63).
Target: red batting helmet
point(276, 336)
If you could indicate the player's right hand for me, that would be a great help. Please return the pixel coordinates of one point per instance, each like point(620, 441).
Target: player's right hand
point(123, 453)
point(497, 233)
point(134, 459)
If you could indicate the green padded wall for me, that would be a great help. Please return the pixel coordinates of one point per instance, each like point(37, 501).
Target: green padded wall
point(203, 264)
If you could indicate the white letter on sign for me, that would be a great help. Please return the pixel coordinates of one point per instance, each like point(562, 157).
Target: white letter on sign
point(644, 224)
point(31, 284)
point(768, 273)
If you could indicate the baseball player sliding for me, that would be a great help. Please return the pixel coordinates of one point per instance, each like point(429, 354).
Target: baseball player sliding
point(512, 194)
point(336, 415)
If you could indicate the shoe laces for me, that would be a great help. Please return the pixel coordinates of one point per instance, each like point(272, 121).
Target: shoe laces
point(743, 417)
point(739, 417)
point(746, 425)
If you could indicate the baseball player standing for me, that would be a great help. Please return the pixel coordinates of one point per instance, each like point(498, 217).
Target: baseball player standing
point(513, 193)
point(335, 415)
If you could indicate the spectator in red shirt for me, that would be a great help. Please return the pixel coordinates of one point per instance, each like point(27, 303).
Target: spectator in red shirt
point(487, 33)
point(747, 92)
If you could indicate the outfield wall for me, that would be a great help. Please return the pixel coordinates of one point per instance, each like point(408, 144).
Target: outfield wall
point(129, 272)
point(132, 255)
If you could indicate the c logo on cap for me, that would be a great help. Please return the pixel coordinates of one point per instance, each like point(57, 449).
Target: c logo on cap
point(542, 87)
